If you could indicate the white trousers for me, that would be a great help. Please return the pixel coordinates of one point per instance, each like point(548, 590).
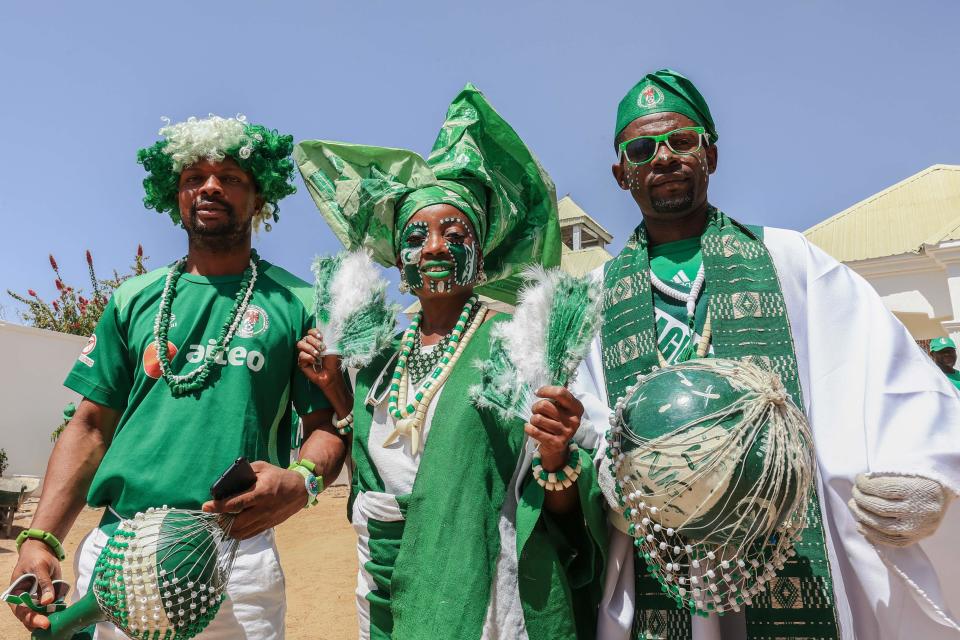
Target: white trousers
point(255, 605)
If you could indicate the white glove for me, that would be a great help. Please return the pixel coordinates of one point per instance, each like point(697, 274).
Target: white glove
point(897, 510)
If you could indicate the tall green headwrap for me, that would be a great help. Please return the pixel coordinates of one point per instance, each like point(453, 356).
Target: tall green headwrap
point(478, 164)
point(665, 91)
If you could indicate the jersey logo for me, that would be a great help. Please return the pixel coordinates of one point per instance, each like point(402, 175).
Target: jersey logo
point(88, 348)
point(650, 96)
point(681, 278)
point(255, 321)
point(234, 356)
point(151, 364)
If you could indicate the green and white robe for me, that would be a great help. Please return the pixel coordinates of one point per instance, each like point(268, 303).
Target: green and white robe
point(876, 403)
point(454, 542)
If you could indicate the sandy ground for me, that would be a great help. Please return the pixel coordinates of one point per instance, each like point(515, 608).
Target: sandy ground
point(317, 551)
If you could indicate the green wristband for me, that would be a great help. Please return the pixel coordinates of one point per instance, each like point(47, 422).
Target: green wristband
point(303, 462)
point(313, 483)
point(43, 536)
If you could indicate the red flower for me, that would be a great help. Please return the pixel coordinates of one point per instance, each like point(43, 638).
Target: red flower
point(56, 307)
point(59, 284)
point(53, 263)
point(32, 293)
point(89, 258)
point(139, 250)
point(82, 300)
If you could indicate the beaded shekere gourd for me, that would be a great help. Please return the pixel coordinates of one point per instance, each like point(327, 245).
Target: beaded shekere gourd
point(161, 576)
point(713, 466)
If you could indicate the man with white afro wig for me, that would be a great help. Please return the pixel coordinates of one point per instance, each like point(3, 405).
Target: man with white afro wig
point(191, 367)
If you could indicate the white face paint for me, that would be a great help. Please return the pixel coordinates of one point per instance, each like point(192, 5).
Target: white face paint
point(411, 257)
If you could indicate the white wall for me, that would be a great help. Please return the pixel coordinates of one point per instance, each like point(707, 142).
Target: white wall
point(33, 364)
point(914, 287)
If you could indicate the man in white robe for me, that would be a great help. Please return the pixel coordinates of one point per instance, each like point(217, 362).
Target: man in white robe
point(886, 423)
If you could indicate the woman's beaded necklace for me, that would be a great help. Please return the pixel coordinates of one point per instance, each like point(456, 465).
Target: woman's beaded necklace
point(195, 380)
point(690, 300)
point(411, 417)
point(423, 360)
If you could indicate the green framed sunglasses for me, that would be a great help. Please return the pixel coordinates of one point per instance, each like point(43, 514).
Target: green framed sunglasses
point(643, 149)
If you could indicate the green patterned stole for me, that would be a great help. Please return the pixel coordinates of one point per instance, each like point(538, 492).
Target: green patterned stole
point(750, 323)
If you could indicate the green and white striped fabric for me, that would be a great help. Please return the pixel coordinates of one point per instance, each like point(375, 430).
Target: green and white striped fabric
point(467, 551)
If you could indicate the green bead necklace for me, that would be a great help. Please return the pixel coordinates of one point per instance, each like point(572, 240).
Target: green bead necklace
point(184, 384)
point(410, 418)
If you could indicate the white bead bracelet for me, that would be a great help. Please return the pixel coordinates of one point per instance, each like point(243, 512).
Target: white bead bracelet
point(557, 480)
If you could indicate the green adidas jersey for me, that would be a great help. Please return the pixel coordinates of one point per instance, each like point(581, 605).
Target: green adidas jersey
point(676, 264)
point(166, 450)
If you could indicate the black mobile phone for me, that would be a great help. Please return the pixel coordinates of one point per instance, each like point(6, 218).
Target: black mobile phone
point(237, 479)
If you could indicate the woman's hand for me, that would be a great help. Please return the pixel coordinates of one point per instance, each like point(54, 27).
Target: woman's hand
point(323, 371)
point(554, 422)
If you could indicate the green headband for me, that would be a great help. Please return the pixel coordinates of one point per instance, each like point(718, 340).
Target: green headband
point(478, 164)
point(665, 91)
point(446, 192)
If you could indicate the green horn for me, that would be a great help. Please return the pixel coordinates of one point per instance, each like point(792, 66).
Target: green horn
point(74, 618)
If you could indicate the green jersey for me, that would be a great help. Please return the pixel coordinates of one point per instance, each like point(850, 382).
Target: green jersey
point(676, 264)
point(954, 377)
point(166, 450)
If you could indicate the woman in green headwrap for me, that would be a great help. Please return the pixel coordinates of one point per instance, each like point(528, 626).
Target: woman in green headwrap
point(457, 537)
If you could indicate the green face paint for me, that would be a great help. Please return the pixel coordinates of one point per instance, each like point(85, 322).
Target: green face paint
point(437, 269)
point(465, 260)
point(439, 275)
point(411, 248)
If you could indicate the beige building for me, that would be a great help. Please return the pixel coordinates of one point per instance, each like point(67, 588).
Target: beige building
point(905, 241)
point(584, 240)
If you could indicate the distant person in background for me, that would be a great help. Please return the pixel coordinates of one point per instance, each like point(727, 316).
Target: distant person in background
point(944, 353)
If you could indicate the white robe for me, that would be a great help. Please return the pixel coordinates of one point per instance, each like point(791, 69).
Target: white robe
point(876, 403)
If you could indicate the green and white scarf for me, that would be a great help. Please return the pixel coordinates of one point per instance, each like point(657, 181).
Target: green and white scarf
point(750, 323)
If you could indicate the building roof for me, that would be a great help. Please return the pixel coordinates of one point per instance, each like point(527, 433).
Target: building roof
point(923, 209)
point(582, 262)
point(571, 213)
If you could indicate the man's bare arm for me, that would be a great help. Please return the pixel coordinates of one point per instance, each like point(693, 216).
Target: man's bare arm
point(322, 445)
point(71, 467)
point(280, 493)
point(70, 471)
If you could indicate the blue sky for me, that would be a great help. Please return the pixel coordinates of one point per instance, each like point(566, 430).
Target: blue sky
point(818, 103)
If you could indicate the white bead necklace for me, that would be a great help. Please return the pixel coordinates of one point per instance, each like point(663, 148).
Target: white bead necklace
point(689, 298)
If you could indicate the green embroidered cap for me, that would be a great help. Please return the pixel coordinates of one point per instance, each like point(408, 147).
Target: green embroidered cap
point(478, 164)
point(665, 91)
point(939, 344)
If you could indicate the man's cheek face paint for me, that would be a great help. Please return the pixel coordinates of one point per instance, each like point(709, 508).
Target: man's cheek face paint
point(633, 178)
point(465, 262)
point(410, 257)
